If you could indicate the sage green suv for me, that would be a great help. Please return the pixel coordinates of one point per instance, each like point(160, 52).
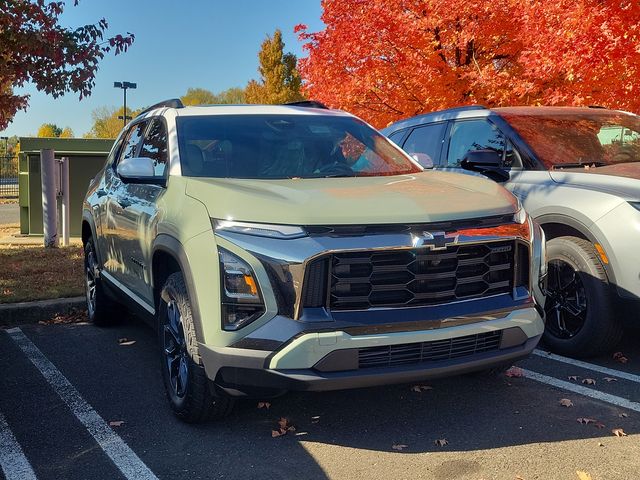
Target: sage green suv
point(294, 247)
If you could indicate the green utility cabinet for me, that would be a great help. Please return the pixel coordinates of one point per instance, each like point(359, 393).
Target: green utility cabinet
point(86, 157)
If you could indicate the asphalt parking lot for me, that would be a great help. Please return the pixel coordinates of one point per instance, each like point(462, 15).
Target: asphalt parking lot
point(63, 386)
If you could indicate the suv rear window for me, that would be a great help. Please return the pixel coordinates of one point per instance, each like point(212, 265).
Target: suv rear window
point(286, 146)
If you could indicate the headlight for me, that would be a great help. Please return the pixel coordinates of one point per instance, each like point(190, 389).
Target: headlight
point(635, 205)
point(286, 232)
point(241, 300)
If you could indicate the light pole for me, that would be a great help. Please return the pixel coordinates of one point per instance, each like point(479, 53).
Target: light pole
point(124, 86)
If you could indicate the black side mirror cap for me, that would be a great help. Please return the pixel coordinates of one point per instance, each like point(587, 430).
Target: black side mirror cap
point(486, 162)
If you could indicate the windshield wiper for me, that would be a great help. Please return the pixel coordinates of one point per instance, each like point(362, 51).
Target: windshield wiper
point(560, 166)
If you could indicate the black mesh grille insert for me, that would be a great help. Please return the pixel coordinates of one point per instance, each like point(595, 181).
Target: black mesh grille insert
point(315, 283)
point(408, 353)
point(420, 277)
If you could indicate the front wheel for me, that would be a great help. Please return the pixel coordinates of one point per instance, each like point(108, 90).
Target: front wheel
point(579, 308)
point(101, 310)
point(191, 396)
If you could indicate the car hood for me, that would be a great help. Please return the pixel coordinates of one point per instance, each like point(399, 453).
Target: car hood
point(420, 198)
point(622, 179)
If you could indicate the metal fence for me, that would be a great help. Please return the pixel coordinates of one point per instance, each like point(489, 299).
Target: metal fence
point(8, 176)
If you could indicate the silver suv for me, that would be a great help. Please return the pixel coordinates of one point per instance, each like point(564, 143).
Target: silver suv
point(577, 172)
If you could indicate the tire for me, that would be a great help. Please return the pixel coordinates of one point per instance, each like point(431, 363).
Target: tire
point(102, 310)
point(579, 308)
point(191, 395)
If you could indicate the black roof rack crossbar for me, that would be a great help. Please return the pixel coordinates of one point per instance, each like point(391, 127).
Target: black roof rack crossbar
point(171, 103)
point(308, 104)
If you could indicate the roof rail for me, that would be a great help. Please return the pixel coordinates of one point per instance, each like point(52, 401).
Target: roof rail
point(464, 108)
point(171, 103)
point(597, 106)
point(308, 104)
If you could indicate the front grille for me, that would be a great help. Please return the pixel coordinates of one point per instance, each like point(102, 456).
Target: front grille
point(420, 277)
point(409, 353)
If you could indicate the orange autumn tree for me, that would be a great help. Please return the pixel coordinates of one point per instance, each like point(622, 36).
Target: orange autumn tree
point(389, 59)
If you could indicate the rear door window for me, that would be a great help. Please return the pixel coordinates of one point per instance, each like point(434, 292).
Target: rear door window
point(426, 140)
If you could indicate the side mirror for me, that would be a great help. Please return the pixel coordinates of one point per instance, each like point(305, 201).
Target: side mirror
point(487, 162)
point(423, 159)
point(138, 170)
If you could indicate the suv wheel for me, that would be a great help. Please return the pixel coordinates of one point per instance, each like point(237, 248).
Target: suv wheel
point(192, 397)
point(101, 309)
point(580, 314)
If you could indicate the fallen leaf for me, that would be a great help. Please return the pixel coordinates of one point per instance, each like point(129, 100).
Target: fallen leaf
point(441, 442)
point(610, 379)
point(315, 419)
point(599, 425)
point(420, 388)
point(283, 428)
point(618, 432)
point(623, 415)
point(518, 477)
point(301, 433)
point(266, 405)
point(573, 378)
point(514, 372)
point(583, 475)
point(126, 344)
point(399, 447)
point(116, 423)
point(589, 381)
point(565, 402)
point(586, 420)
point(619, 357)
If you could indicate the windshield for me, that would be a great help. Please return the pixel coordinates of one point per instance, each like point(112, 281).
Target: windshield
point(286, 146)
point(592, 138)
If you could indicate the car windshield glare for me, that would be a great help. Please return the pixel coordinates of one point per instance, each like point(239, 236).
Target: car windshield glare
point(593, 138)
point(286, 146)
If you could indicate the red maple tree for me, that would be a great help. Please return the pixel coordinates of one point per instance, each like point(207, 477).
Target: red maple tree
point(389, 59)
point(35, 48)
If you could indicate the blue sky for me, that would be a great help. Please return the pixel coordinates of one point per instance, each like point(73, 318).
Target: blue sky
point(179, 44)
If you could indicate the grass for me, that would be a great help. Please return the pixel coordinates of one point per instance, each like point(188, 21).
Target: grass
point(36, 273)
point(9, 229)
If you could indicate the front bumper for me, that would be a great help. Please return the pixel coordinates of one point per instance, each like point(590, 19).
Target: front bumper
point(325, 360)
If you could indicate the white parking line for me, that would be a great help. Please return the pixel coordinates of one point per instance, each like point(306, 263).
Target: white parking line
point(12, 460)
point(118, 451)
point(589, 366)
point(587, 392)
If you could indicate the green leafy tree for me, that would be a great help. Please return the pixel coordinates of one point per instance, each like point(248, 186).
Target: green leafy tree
point(198, 96)
point(36, 49)
point(279, 80)
point(231, 96)
point(66, 133)
point(106, 123)
point(49, 130)
point(201, 96)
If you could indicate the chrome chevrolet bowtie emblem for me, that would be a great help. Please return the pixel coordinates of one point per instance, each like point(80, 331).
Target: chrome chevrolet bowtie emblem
point(435, 240)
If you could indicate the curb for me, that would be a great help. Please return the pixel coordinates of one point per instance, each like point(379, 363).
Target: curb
point(13, 314)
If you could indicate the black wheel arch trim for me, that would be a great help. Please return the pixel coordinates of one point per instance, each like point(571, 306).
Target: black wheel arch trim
point(87, 217)
point(172, 246)
point(580, 227)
